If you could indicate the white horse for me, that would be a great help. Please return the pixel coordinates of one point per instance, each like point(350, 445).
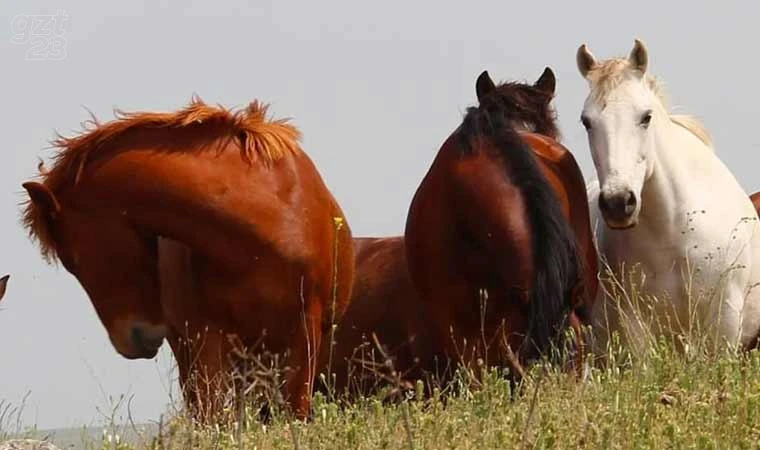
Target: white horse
point(672, 210)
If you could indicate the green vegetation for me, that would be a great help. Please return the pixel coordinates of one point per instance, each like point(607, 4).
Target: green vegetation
point(663, 400)
point(678, 393)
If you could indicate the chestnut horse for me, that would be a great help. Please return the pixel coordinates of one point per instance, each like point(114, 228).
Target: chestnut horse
point(3, 285)
point(384, 311)
point(271, 255)
point(498, 238)
point(755, 198)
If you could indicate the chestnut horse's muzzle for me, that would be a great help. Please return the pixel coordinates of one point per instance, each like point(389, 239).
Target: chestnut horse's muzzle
point(146, 339)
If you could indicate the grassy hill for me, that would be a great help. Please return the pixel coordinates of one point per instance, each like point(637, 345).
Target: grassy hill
point(665, 399)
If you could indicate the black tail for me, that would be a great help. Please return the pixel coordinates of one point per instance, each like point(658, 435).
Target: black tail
point(557, 261)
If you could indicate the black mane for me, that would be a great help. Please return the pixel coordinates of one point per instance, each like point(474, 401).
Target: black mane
point(558, 264)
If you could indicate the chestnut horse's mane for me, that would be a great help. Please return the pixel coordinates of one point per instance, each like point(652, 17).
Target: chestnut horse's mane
point(260, 138)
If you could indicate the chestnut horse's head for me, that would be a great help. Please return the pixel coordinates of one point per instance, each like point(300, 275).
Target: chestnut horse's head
point(3, 285)
point(111, 258)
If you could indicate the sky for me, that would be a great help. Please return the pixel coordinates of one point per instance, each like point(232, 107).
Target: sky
point(375, 87)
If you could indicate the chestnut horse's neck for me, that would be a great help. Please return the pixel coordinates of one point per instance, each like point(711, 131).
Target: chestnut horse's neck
point(201, 199)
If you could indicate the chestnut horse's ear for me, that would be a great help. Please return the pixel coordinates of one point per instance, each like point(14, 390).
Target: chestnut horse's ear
point(3, 285)
point(547, 82)
point(42, 198)
point(585, 59)
point(484, 85)
point(638, 57)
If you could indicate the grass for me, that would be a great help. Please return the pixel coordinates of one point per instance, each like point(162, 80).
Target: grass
point(678, 392)
point(668, 402)
point(665, 399)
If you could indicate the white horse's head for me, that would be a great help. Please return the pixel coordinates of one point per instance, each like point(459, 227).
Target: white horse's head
point(620, 113)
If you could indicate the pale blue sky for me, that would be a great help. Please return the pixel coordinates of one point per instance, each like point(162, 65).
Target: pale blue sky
point(375, 88)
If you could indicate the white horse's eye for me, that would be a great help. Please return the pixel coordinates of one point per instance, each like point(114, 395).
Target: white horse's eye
point(645, 119)
point(586, 123)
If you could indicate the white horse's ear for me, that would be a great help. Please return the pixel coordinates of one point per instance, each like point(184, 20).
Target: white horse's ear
point(585, 59)
point(638, 57)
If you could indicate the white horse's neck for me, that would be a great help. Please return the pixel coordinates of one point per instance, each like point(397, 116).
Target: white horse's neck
point(677, 157)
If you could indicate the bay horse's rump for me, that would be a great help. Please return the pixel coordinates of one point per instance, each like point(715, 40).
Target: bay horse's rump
point(555, 254)
point(566, 178)
point(485, 223)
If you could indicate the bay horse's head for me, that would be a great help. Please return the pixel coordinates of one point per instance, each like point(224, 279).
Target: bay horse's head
point(526, 106)
point(114, 262)
point(3, 285)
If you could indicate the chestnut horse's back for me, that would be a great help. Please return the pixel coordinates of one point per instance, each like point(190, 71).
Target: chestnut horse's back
point(384, 311)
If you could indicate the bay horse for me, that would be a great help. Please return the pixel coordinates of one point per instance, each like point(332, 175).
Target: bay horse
point(490, 252)
point(670, 208)
point(271, 259)
point(3, 285)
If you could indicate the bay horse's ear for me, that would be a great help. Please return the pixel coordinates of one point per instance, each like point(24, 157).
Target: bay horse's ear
point(3, 285)
point(639, 58)
point(484, 85)
point(547, 82)
point(42, 198)
point(585, 59)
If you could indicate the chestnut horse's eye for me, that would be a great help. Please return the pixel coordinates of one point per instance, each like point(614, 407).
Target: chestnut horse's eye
point(645, 119)
point(586, 123)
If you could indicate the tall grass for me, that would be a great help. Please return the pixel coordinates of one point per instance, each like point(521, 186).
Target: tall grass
point(659, 386)
point(667, 400)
